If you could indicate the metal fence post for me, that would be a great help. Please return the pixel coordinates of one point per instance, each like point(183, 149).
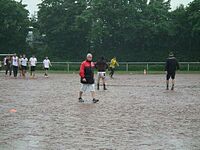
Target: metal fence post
point(188, 67)
point(127, 66)
point(68, 67)
point(147, 67)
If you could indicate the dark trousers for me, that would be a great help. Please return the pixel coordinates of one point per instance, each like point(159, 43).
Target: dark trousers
point(15, 70)
point(8, 68)
point(112, 70)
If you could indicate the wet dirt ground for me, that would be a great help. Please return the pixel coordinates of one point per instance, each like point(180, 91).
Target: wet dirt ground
point(135, 113)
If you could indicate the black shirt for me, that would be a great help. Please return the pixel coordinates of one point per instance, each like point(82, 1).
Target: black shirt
point(101, 65)
point(171, 65)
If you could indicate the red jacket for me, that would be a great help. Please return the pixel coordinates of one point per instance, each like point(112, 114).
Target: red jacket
point(87, 72)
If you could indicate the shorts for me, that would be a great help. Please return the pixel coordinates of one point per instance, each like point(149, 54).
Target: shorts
point(24, 67)
point(170, 75)
point(46, 68)
point(32, 68)
point(87, 88)
point(101, 75)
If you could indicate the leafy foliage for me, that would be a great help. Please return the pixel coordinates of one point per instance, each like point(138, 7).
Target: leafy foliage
point(14, 23)
point(131, 30)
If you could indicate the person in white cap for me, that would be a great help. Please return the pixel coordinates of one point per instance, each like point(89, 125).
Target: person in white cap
point(46, 64)
point(87, 78)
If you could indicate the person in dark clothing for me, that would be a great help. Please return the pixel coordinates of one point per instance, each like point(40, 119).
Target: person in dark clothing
point(101, 65)
point(170, 67)
point(8, 65)
point(87, 78)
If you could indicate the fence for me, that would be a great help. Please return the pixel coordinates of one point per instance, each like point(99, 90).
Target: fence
point(126, 66)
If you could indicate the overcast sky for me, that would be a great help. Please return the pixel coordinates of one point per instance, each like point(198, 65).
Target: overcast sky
point(32, 4)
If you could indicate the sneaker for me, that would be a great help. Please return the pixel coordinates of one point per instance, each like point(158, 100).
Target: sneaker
point(167, 88)
point(172, 88)
point(81, 100)
point(105, 88)
point(95, 100)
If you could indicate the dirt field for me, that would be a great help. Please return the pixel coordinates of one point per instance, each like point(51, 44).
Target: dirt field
point(136, 113)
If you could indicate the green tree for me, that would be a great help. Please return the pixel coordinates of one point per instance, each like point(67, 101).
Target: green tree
point(186, 34)
point(58, 21)
point(14, 23)
point(132, 30)
point(193, 20)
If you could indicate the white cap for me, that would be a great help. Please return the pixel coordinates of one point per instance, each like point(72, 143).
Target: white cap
point(89, 55)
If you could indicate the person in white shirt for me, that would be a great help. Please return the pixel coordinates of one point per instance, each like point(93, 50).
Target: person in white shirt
point(24, 62)
point(46, 64)
point(4, 60)
point(4, 63)
point(15, 64)
point(32, 62)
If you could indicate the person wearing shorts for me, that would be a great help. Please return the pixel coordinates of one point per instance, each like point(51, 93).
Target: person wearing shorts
point(46, 64)
point(113, 64)
point(32, 62)
point(15, 65)
point(87, 78)
point(170, 67)
point(24, 62)
point(101, 65)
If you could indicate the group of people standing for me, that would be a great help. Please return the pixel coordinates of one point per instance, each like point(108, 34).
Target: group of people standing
point(20, 64)
point(87, 73)
point(13, 63)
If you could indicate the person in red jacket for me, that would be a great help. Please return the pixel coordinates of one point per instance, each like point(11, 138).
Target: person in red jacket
point(87, 78)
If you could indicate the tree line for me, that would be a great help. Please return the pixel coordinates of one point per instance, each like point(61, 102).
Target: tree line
point(131, 30)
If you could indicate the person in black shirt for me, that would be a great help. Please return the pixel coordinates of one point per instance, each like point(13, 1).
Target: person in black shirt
point(8, 66)
point(101, 65)
point(170, 67)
